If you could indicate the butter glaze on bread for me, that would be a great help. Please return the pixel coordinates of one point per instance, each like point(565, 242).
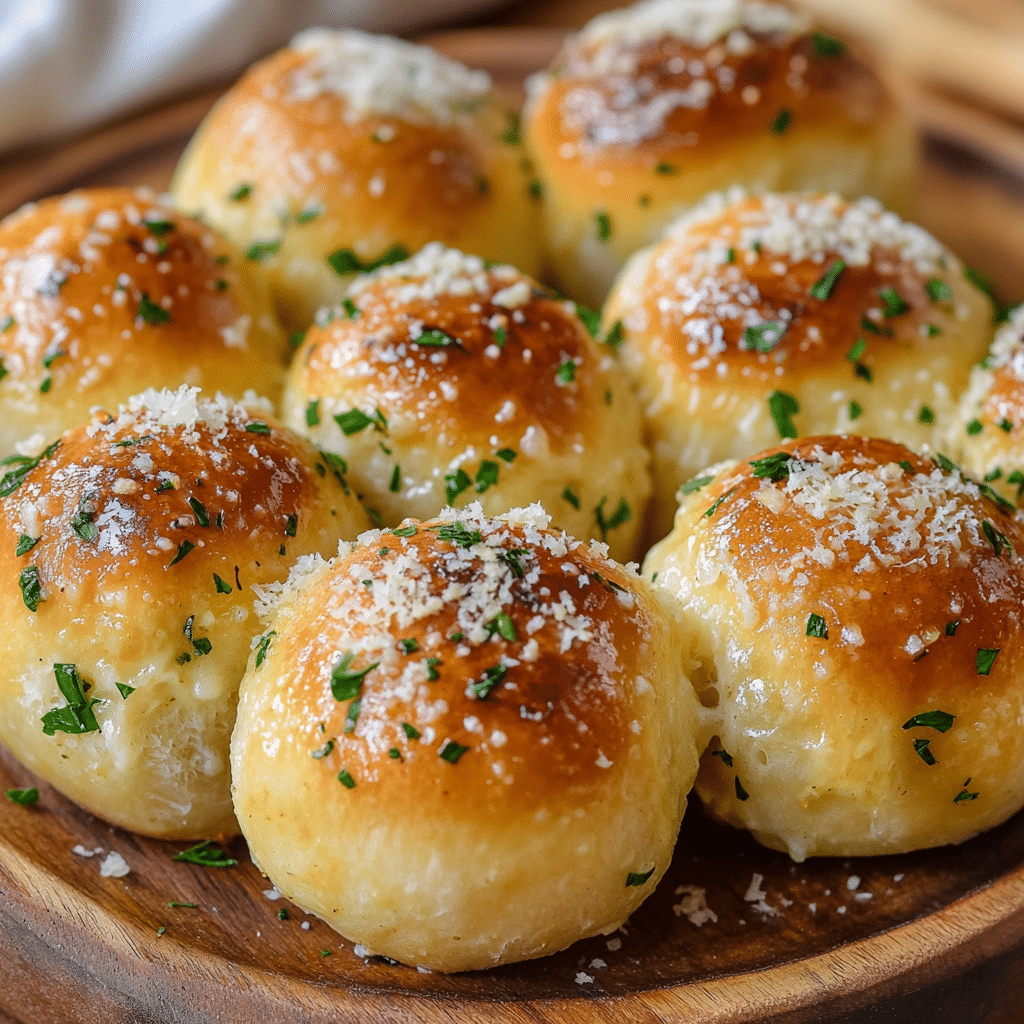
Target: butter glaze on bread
point(831, 614)
point(442, 381)
point(521, 749)
point(144, 539)
point(651, 107)
point(346, 145)
point(882, 349)
point(106, 292)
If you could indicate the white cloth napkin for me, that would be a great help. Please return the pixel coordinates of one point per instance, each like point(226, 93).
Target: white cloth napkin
point(65, 64)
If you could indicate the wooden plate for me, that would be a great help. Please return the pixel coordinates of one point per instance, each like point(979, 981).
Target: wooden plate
point(935, 936)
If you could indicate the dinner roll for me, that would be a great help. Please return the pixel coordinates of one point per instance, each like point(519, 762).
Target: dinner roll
point(988, 431)
point(763, 318)
point(441, 380)
point(650, 108)
point(852, 612)
point(133, 551)
point(106, 292)
point(465, 742)
point(344, 151)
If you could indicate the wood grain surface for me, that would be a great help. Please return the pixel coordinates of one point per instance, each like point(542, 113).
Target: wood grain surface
point(936, 936)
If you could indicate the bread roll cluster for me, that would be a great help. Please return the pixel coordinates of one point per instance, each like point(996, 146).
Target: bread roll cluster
point(466, 737)
point(650, 108)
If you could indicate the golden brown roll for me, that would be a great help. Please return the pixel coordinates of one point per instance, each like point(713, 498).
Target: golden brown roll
point(132, 553)
point(988, 432)
point(652, 107)
point(763, 318)
point(344, 150)
point(441, 381)
point(106, 292)
point(465, 742)
point(852, 613)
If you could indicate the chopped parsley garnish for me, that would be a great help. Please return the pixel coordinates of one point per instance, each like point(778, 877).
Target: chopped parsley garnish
point(932, 331)
point(905, 465)
point(500, 336)
point(964, 796)
point(591, 319)
point(856, 410)
point(455, 637)
point(458, 534)
point(77, 715)
point(985, 658)
point(199, 511)
point(24, 464)
point(434, 338)
point(615, 335)
point(773, 467)
point(183, 549)
point(350, 308)
point(718, 501)
point(346, 779)
point(26, 544)
point(174, 904)
point(313, 412)
point(922, 751)
point(451, 751)
point(938, 290)
point(257, 427)
point(46, 385)
point(506, 455)
point(827, 46)
point(566, 373)
point(741, 793)
point(816, 627)
point(355, 420)
point(125, 690)
point(486, 475)
point(261, 647)
point(295, 338)
point(724, 755)
point(432, 674)
point(493, 677)
point(52, 357)
point(664, 168)
point(395, 753)
point(31, 588)
point(992, 474)
point(404, 531)
point(939, 720)
point(764, 337)
point(242, 191)
point(604, 225)
point(782, 121)
point(951, 627)
point(503, 626)
point(536, 189)
point(692, 486)
point(946, 464)
point(395, 484)
point(7, 324)
point(974, 427)
point(622, 514)
point(206, 854)
point(1005, 425)
point(82, 520)
point(511, 558)
point(164, 485)
point(150, 313)
point(353, 714)
point(409, 645)
point(871, 327)
point(783, 407)
point(346, 682)
point(307, 214)
point(983, 284)
point(996, 538)
point(512, 135)
point(455, 483)
point(925, 414)
point(291, 525)
point(259, 251)
point(410, 731)
point(571, 497)
point(220, 585)
point(345, 261)
point(638, 877)
point(857, 350)
point(822, 288)
point(892, 303)
point(25, 797)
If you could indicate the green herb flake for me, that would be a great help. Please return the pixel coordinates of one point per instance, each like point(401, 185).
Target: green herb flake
point(823, 287)
point(764, 337)
point(783, 407)
point(571, 497)
point(199, 511)
point(951, 627)
point(431, 665)
point(974, 427)
point(220, 585)
point(451, 751)
point(856, 410)
point(615, 336)
point(782, 121)
point(982, 282)
point(404, 531)
point(718, 502)
point(52, 357)
point(996, 538)
point(183, 549)
point(6, 324)
point(458, 534)
point(455, 483)
point(638, 877)
point(857, 350)
point(503, 626)
point(604, 225)
point(257, 427)
point(932, 331)
point(434, 338)
point(772, 467)
point(827, 46)
point(31, 588)
point(590, 318)
point(353, 715)
point(512, 135)
point(125, 690)
point(346, 682)
point(622, 514)
point(409, 646)
point(741, 793)
point(24, 464)
point(150, 313)
point(963, 796)
point(816, 627)
point(926, 414)
point(942, 721)
point(938, 290)
point(346, 779)
point(993, 474)
point(263, 645)
point(282, 914)
point(664, 168)
point(922, 751)
point(46, 385)
point(724, 755)
point(76, 716)
point(905, 465)
point(207, 855)
point(511, 558)
point(26, 544)
point(410, 731)
point(692, 486)
point(892, 303)
point(566, 372)
point(291, 525)
point(395, 754)
point(25, 797)
point(506, 455)
point(345, 261)
point(321, 752)
point(241, 192)
point(353, 421)
point(1005, 425)
point(260, 251)
point(985, 658)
